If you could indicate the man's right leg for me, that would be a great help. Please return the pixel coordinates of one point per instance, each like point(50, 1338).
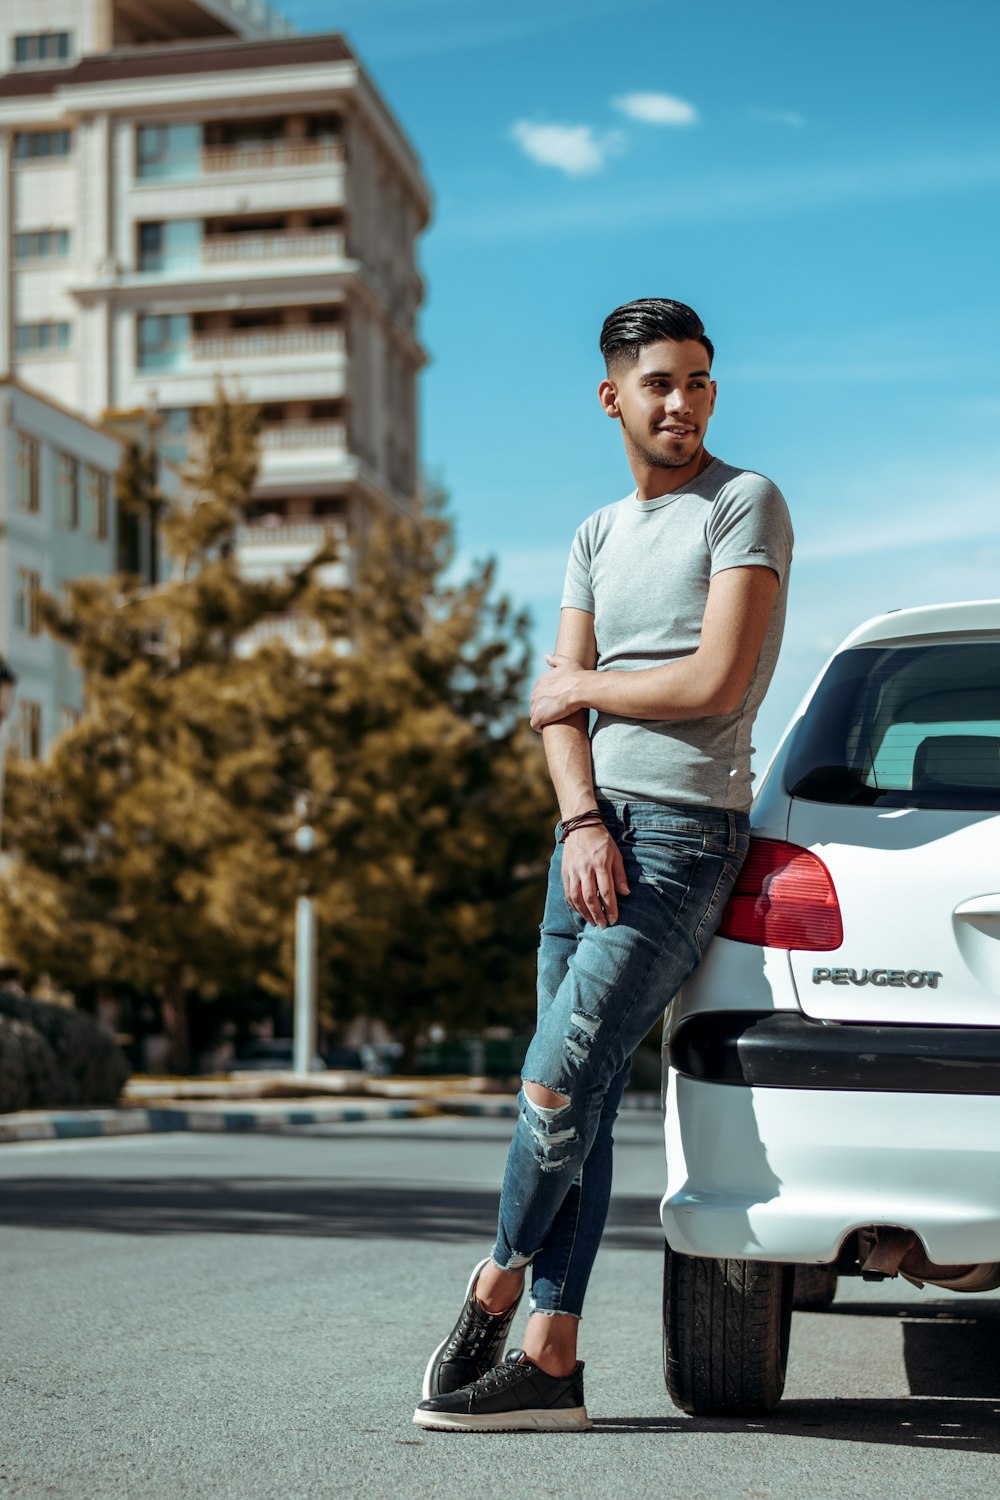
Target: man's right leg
point(610, 986)
point(476, 1342)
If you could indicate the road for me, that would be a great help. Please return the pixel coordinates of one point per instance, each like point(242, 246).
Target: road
point(248, 1317)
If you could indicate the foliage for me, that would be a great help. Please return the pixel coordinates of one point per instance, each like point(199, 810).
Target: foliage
point(154, 846)
point(431, 802)
point(52, 1057)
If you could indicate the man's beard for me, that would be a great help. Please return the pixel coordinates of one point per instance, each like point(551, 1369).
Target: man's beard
point(658, 459)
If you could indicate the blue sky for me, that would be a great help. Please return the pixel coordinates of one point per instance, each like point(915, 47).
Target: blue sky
point(821, 182)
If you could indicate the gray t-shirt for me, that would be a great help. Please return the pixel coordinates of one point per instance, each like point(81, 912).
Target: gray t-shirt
point(642, 569)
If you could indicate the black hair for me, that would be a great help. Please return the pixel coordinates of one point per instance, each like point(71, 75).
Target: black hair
point(632, 326)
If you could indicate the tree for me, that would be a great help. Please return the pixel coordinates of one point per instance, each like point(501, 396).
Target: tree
point(434, 807)
point(119, 834)
point(153, 847)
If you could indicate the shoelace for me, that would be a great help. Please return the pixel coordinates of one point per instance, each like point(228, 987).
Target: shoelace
point(475, 1327)
point(509, 1373)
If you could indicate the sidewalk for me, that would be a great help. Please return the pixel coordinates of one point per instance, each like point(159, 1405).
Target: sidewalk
point(151, 1106)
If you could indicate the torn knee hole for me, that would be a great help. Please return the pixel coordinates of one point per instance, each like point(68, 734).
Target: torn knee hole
point(544, 1099)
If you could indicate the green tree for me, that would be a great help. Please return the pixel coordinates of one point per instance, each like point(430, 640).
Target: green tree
point(434, 810)
point(153, 847)
point(120, 834)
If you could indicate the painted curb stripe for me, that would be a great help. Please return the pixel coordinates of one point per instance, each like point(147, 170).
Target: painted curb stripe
point(130, 1121)
point(68, 1127)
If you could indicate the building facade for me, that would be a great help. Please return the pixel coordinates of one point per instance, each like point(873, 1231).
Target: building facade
point(189, 194)
point(57, 522)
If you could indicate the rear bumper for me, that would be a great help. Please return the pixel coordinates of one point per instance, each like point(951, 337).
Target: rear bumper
point(787, 1173)
point(784, 1049)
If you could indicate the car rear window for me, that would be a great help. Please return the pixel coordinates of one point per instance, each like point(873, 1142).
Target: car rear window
point(903, 726)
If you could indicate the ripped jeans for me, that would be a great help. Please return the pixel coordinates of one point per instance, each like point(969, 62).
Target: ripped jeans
point(600, 990)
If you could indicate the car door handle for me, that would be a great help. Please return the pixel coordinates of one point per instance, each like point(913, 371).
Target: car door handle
point(979, 906)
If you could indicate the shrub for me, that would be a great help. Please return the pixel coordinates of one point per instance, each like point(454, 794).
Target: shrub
point(51, 1056)
point(29, 1072)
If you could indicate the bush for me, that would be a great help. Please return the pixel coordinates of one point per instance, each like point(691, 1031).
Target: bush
point(52, 1057)
point(29, 1072)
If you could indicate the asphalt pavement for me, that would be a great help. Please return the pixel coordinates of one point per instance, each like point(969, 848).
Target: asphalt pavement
point(248, 1316)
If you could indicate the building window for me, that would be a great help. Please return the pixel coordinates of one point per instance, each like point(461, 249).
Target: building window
point(29, 730)
point(98, 491)
point(164, 152)
point(26, 613)
point(176, 434)
point(41, 244)
point(164, 341)
point(41, 338)
point(41, 47)
point(150, 247)
point(28, 468)
point(171, 246)
point(68, 493)
point(36, 145)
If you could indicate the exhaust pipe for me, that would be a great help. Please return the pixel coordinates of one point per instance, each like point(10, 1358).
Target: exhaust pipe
point(893, 1251)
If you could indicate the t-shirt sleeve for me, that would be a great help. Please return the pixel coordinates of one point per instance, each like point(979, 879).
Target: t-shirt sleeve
point(577, 590)
point(750, 527)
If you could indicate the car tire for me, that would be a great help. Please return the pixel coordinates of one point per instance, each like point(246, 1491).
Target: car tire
point(726, 1325)
point(815, 1288)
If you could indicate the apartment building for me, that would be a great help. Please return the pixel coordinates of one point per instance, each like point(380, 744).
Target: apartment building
point(190, 193)
point(56, 522)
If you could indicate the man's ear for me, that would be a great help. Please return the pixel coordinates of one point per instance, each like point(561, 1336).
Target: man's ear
point(607, 394)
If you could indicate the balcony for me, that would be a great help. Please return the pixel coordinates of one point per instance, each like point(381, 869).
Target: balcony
point(301, 634)
point(274, 549)
point(305, 538)
point(255, 249)
point(293, 437)
point(270, 156)
point(267, 343)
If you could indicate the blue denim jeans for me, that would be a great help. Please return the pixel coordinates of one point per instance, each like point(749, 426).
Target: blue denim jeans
point(600, 990)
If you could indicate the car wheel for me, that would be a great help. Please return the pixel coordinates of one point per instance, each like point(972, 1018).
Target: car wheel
point(815, 1288)
point(725, 1333)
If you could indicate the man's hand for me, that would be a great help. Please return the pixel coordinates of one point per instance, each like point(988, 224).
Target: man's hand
point(593, 875)
point(559, 693)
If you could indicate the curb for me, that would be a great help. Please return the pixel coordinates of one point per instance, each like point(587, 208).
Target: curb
point(262, 1116)
point(44, 1125)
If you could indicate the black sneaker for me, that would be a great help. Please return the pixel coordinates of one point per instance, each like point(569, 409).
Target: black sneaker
point(514, 1397)
point(473, 1346)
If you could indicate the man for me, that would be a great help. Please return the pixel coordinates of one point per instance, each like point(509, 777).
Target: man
point(671, 621)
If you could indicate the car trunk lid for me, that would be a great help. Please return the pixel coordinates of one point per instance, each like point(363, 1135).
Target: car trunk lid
point(919, 894)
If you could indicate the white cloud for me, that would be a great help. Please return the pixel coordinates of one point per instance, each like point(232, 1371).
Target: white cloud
point(789, 117)
point(657, 109)
point(574, 149)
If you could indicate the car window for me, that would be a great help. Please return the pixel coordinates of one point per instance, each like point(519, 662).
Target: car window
point(913, 726)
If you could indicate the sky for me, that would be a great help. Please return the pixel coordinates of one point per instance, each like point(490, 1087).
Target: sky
point(821, 182)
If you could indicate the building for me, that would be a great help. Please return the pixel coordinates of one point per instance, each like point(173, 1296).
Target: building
point(190, 193)
point(57, 522)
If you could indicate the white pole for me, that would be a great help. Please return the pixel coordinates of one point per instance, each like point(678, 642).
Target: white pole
point(305, 984)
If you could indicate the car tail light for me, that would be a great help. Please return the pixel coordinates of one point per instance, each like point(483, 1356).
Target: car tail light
point(784, 897)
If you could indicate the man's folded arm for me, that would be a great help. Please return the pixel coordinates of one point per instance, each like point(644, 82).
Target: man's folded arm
point(712, 680)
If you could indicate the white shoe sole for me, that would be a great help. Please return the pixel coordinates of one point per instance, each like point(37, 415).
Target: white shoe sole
point(425, 1390)
point(570, 1419)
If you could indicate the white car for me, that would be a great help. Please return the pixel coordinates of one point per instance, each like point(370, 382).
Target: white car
point(832, 1070)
